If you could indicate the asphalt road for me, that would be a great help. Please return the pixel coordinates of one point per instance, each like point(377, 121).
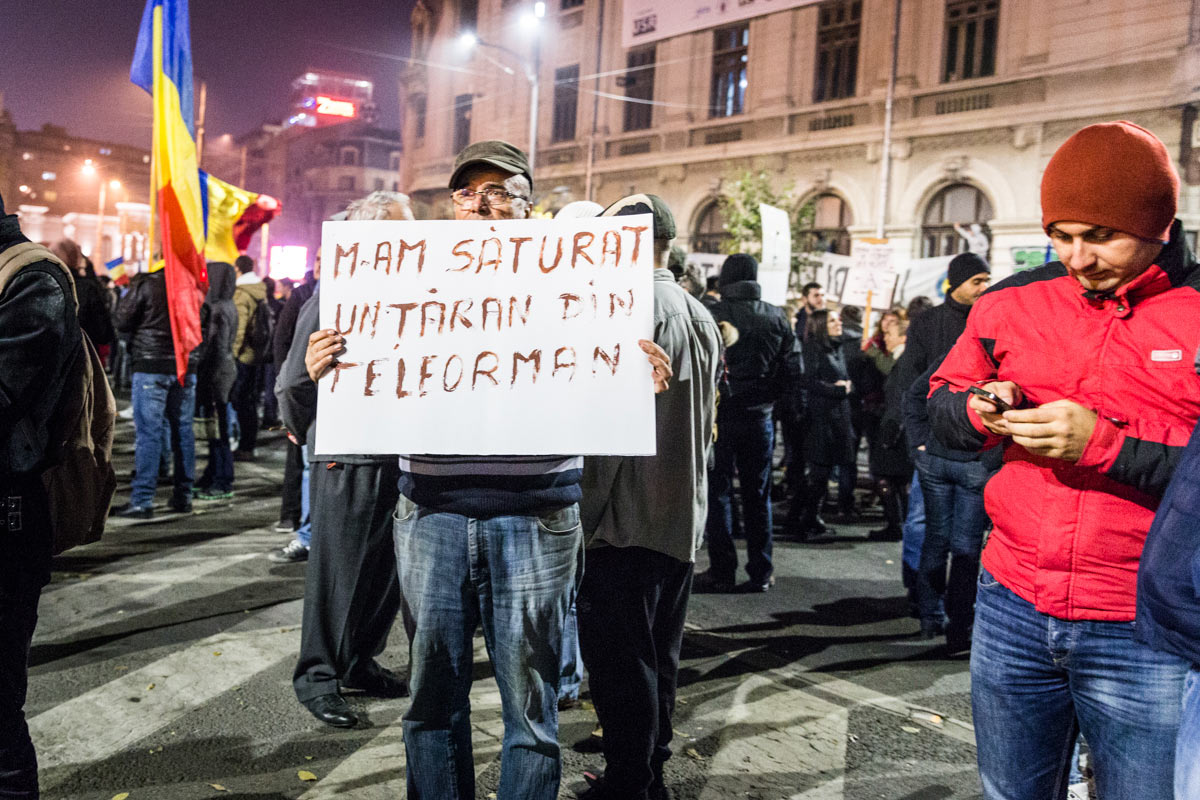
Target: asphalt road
point(162, 668)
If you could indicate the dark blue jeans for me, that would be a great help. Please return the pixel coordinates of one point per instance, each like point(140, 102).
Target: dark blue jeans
point(745, 440)
point(160, 401)
point(1037, 681)
point(955, 521)
point(515, 576)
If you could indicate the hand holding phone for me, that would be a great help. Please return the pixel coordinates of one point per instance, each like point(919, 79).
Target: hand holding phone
point(991, 397)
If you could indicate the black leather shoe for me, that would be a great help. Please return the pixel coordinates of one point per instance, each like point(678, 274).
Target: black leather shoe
point(379, 682)
point(332, 709)
point(182, 506)
point(708, 583)
point(130, 511)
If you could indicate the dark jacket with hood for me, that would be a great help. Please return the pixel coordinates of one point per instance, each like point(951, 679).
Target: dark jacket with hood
point(142, 314)
point(1068, 537)
point(94, 316)
point(764, 363)
point(39, 341)
point(213, 359)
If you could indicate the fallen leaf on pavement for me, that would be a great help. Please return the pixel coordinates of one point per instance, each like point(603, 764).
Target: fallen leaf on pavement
point(120, 796)
point(151, 686)
point(305, 775)
point(694, 753)
point(218, 787)
point(909, 729)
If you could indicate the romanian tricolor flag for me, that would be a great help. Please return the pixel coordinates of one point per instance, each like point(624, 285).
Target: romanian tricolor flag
point(162, 65)
point(231, 216)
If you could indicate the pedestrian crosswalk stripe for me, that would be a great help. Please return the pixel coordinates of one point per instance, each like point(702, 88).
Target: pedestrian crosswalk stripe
point(102, 722)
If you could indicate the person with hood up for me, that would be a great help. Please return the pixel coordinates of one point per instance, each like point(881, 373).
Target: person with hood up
point(215, 374)
point(764, 368)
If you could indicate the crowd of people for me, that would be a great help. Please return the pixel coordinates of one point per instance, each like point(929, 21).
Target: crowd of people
point(1050, 416)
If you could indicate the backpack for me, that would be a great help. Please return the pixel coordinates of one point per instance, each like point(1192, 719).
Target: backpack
point(80, 485)
point(259, 331)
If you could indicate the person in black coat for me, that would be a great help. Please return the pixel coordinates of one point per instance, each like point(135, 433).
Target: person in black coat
point(215, 373)
point(829, 435)
point(39, 340)
point(763, 368)
point(291, 515)
point(890, 461)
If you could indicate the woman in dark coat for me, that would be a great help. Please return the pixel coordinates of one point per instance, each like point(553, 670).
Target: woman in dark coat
point(829, 440)
point(215, 373)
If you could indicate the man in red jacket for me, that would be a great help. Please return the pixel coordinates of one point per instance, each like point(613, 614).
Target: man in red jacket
point(1093, 355)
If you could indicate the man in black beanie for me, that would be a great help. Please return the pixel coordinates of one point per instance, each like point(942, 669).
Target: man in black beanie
point(764, 367)
point(952, 529)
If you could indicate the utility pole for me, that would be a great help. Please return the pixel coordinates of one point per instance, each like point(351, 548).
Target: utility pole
point(885, 161)
point(587, 192)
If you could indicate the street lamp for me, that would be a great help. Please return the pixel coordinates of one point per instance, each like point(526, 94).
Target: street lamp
point(469, 41)
point(89, 169)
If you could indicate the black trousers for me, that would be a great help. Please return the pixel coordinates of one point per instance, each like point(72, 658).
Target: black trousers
point(632, 605)
point(351, 593)
point(25, 544)
point(289, 500)
point(245, 395)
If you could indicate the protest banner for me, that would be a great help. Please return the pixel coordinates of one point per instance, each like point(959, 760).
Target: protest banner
point(776, 264)
point(514, 337)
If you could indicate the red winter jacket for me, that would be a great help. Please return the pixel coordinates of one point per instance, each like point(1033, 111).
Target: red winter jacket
point(1068, 537)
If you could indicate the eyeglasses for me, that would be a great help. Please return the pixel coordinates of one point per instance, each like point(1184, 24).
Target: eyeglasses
point(494, 197)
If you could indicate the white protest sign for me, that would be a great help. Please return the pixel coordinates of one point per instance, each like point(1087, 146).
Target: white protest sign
point(776, 262)
point(514, 337)
point(861, 280)
point(709, 263)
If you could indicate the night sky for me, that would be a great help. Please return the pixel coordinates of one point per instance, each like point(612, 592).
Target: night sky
point(67, 61)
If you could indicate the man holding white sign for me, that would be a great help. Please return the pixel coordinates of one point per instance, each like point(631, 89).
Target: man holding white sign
point(502, 334)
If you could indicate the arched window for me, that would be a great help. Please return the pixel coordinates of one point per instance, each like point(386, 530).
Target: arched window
point(958, 204)
point(709, 235)
point(827, 233)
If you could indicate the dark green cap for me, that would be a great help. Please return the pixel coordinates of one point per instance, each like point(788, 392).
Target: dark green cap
point(494, 153)
point(664, 220)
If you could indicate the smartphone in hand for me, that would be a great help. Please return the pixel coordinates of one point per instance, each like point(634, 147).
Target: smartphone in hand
point(991, 397)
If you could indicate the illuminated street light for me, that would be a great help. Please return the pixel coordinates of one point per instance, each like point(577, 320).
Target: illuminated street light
point(470, 41)
point(23, 189)
point(89, 169)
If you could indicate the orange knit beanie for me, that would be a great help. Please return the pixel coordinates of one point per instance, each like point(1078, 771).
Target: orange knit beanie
point(1115, 174)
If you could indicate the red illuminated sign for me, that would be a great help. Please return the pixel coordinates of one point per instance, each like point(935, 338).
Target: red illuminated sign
point(336, 108)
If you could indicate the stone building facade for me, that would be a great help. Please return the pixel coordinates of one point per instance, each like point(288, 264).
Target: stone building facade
point(986, 90)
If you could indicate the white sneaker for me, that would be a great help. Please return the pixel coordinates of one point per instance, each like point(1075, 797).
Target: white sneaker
point(293, 552)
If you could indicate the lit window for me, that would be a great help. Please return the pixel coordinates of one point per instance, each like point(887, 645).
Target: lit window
point(837, 50)
point(730, 58)
point(970, 39)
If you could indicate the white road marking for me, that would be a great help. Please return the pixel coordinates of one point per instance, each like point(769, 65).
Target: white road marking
point(376, 770)
point(102, 722)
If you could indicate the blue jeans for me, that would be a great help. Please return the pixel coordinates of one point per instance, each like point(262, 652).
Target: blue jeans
point(1036, 681)
point(1187, 746)
point(745, 441)
point(914, 526)
point(955, 521)
point(160, 401)
point(516, 576)
point(570, 675)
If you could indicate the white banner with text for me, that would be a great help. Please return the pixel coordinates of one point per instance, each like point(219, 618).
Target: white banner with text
point(515, 337)
point(646, 21)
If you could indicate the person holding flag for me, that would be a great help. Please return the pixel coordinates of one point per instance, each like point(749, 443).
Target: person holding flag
point(162, 65)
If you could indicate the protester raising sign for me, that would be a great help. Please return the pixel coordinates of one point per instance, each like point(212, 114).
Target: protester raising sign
point(488, 337)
